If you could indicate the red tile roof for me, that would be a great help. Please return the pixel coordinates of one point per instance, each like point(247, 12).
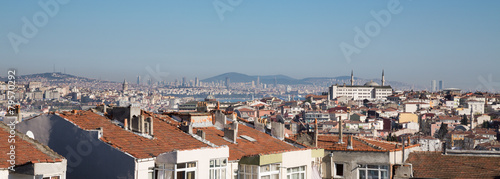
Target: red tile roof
point(330, 142)
point(26, 149)
point(167, 137)
point(436, 165)
point(264, 144)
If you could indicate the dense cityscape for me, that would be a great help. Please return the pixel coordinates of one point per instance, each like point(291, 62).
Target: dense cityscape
point(236, 89)
point(347, 129)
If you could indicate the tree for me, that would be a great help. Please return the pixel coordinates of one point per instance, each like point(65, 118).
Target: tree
point(391, 137)
point(486, 124)
point(443, 130)
point(464, 120)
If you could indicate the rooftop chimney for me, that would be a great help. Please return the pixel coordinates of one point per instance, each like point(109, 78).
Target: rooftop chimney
point(201, 134)
point(315, 132)
point(231, 131)
point(142, 125)
point(104, 108)
point(349, 142)
point(403, 152)
point(444, 148)
point(18, 112)
point(149, 125)
point(278, 128)
point(260, 124)
point(220, 119)
point(340, 130)
point(186, 127)
point(125, 124)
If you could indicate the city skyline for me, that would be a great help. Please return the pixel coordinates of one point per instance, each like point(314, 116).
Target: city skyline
point(453, 41)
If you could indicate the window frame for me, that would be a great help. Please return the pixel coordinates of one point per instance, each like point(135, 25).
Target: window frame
point(380, 168)
point(336, 175)
point(289, 174)
point(186, 169)
point(255, 171)
point(213, 168)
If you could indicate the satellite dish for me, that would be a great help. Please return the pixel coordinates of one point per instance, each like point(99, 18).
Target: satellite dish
point(30, 134)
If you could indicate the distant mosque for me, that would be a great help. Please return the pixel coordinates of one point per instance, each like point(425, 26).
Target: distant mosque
point(370, 90)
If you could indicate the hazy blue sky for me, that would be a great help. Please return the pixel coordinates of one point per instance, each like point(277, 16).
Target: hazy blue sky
point(455, 41)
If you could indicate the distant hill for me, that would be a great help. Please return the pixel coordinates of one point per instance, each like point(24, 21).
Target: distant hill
point(286, 80)
point(235, 77)
point(55, 77)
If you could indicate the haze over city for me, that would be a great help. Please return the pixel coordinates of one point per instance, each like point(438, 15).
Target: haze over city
point(453, 41)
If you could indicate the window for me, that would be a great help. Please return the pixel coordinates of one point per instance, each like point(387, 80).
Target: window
point(218, 168)
point(271, 171)
point(164, 171)
point(339, 169)
point(248, 171)
point(373, 171)
point(151, 173)
point(185, 170)
point(53, 177)
point(296, 172)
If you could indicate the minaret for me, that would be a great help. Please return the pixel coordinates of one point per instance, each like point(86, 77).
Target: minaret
point(352, 78)
point(383, 78)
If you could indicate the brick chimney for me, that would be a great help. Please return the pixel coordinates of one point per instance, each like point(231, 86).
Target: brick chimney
point(315, 132)
point(231, 132)
point(125, 124)
point(349, 142)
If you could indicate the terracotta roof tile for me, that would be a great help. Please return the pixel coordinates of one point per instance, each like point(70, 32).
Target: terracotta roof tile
point(330, 142)
point(436, 165)
point(264, 144)
point(26, 149)
point(167, 137)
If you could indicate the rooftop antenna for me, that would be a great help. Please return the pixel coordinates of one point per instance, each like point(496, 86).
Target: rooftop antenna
point(54, 68)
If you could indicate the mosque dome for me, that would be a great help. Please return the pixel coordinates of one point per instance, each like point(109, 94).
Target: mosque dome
point(210, 98)
point(371, 83)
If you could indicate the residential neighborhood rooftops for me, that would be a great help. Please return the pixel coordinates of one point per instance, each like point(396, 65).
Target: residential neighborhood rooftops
point(263, 144)
point(437, 165)
point(26, 149)
point(330, 142)
point(166, 138)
